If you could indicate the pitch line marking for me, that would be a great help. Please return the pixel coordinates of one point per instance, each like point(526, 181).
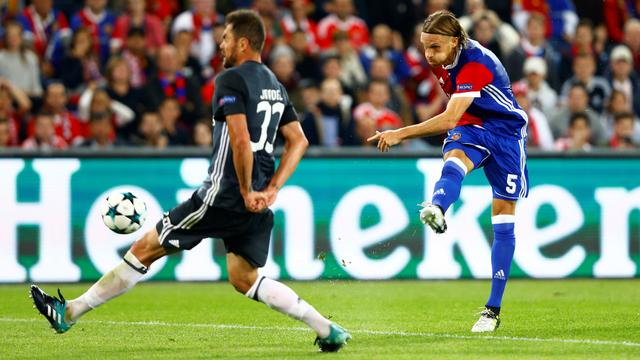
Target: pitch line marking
point(360, 331)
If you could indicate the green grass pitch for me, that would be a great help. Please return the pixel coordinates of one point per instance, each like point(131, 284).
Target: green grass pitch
point(388, 320)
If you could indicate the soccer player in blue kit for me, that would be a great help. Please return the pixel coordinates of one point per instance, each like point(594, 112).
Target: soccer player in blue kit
point(486, 128)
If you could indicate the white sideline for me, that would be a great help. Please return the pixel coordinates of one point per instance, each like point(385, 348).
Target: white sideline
point(355, 331)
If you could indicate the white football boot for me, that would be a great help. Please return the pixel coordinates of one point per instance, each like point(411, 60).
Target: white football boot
point(488, 322)
point(432, 216)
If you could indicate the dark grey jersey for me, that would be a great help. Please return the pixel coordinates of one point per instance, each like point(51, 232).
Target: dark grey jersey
point(250, 89)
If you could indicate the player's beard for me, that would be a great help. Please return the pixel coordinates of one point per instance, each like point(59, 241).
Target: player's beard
point(229, 60)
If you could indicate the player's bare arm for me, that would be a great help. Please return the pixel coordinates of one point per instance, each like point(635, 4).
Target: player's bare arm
point(438, 124)
point(295, 144)
point(243, 161)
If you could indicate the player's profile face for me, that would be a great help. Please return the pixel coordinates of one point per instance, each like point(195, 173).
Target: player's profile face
point(228, 47)
point(438, 49)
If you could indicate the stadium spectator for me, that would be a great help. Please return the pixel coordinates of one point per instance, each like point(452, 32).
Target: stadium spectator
point(270, 14)
point(539, 134)
point(381, 70)
point(66, 124)
point(165, 10)
point(382, 44)
point(44, 135)
point(141, 65)
point(202, 134)
point(46, 31)
point(154, 31)
point(623, 131)
point(540, 94)
point(119, 89)
point(19, 64)
point(578, 134)
point(583, 43)
point(431, 6)
point(101, 132)
point(80, 67)
point(619, 103)
point(584, 68)
point(622, 77)
point(189, 64)
point(297, 20)
point(616, 14)
point(341, 18)
point(328, 124)
point(169, 81)
point(306, 63)
point(100, 22)
point(200, 21)
point(10, 94)
point(577, 101)
point(373, 115)
point(97, 100)
point(533, 44)
point(151, 132)
point(560, 17)
point(283, 66)
point(170, 116)
point(332, 69)
point(632, 40)
point(5, 136)
point(352, 73)
point(506, 35)
point(484, 31)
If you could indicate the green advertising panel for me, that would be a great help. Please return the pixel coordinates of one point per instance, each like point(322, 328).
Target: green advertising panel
point(336, 218)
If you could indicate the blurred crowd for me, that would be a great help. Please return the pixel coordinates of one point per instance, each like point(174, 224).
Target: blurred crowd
point(101, 73)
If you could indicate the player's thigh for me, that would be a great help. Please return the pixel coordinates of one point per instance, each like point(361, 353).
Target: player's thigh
point(184, 226)
point(507, 170)
point(252, 243)
point(467, 144)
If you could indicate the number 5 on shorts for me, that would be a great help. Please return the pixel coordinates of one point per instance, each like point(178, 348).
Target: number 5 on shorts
point(511, 183)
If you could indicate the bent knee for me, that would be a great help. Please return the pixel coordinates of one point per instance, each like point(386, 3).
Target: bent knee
point(242, 281)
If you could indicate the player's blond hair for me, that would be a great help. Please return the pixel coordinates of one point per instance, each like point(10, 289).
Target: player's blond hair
point(443, 22)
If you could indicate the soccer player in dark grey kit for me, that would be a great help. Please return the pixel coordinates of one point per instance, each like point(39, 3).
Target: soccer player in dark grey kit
point(250, 106)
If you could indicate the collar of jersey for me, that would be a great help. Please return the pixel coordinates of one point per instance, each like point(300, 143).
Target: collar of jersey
point(455, 62)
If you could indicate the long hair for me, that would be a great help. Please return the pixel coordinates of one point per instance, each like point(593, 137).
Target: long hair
point(445, 23)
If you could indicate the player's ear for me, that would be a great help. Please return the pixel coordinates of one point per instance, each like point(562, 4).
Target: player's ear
point(455, 41)
point(244, 44)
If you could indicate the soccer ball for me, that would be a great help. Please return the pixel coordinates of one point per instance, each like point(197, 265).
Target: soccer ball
point(123, 212)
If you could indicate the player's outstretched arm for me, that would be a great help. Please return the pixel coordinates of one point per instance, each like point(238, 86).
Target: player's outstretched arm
point(243, 161)
point(438, 124)
point(295, 144)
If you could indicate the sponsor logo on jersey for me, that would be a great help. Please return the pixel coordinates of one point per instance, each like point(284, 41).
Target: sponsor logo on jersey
point(456, 136)
point(465, 87)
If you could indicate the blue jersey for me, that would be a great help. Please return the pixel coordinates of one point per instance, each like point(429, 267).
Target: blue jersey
point(492, 132)
point(477, 73)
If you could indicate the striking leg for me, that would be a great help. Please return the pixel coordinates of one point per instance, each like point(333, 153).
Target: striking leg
point(446, 190)
point(63, 314)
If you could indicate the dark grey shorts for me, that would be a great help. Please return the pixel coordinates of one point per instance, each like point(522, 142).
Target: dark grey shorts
point(244, 234)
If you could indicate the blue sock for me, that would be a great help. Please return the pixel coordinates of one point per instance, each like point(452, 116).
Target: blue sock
point(504, 244)
point(447, 189)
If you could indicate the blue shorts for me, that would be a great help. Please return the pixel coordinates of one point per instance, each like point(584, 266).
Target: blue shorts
point(504, 159)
